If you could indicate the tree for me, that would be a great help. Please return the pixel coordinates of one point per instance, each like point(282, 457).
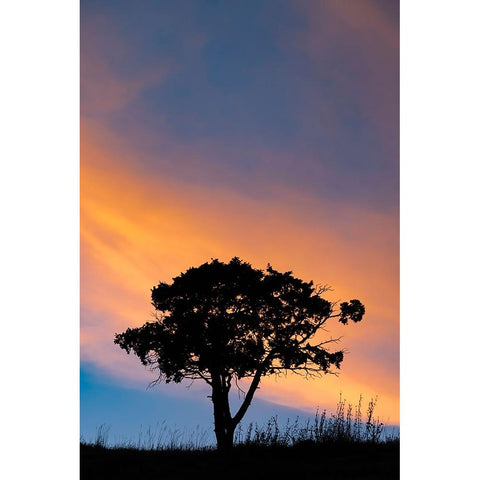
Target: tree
point(222, 322)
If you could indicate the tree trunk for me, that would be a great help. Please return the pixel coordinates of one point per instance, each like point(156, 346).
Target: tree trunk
point(224, 435)
point(224, 426)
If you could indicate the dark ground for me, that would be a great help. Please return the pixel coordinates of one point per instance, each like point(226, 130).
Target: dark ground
point(359, 461)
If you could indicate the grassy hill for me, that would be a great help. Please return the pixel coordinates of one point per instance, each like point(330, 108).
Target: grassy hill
point(342, 446)
point(303, 461)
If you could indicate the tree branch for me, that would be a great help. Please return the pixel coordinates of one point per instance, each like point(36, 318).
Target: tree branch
point(248, 397)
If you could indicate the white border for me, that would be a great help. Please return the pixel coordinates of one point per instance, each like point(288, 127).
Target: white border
point(439, 237)
point(439, 132)
point(39, 194)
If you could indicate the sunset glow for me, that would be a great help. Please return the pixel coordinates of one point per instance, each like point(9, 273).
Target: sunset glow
point(172, 177)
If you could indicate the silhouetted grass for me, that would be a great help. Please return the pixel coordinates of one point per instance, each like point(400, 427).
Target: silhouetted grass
point(304, 461)
point(346, 425)
point(160, 437)
point(344, 445)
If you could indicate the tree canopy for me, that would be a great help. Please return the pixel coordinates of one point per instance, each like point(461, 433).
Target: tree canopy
point(227, 321)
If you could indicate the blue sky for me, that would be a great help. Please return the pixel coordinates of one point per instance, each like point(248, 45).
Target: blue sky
point(129, 412)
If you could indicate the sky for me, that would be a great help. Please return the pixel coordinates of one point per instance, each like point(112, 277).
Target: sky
point(266, 130)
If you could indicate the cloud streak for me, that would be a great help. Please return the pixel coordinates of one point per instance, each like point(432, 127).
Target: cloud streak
point(277, 143)
point(138, 230)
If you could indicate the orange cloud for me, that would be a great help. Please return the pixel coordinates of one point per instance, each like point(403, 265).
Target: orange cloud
point(104, 93)
point(102, 90)
point(367, 41)
point(365, 16)
point(347, 22)
point(137, 230)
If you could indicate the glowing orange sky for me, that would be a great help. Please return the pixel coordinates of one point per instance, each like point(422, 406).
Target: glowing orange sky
point(189, 154)
point(136, 231)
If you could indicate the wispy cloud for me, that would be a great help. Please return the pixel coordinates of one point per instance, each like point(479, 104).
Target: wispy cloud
point(138, 230)
point(197, 143)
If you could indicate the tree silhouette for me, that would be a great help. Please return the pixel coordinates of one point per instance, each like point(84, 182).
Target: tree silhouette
point(222, 322)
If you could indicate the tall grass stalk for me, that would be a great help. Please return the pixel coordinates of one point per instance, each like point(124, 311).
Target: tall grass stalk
point(345, 425)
